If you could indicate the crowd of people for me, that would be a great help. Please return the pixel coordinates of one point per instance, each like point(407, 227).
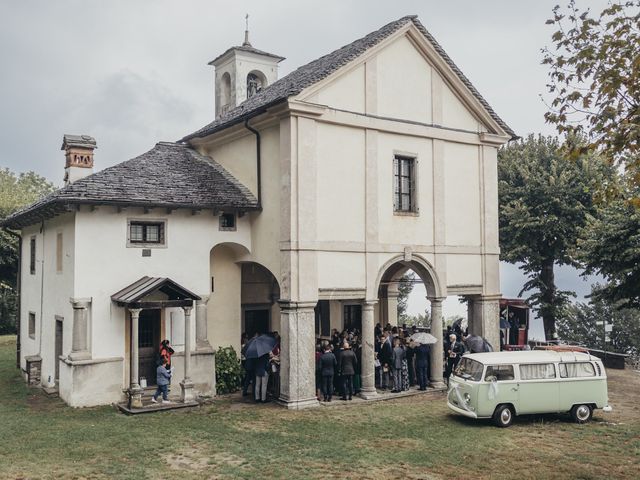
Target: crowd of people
point(261, 373)
point(338, 362)
point(400, 362)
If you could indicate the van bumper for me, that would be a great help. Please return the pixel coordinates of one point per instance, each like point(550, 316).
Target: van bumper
point(607, 408)
point(461, 411)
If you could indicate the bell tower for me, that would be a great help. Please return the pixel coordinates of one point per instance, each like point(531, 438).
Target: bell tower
point(241, 72)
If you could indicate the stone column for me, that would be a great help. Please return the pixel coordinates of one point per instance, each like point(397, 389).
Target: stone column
point(186, 385)
point(297, 355)
point(368, 390)
point(486, 319)
point(135, 392)
point(79, 342)
point(437, 350)
point(202, 340)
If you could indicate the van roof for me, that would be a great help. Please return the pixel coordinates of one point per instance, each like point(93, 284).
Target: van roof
point(532, 356)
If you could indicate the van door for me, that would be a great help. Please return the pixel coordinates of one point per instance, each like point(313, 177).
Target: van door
point(500, 387)
point(538, 388)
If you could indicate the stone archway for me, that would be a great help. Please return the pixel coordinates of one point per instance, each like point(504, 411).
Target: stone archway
point(387, 294)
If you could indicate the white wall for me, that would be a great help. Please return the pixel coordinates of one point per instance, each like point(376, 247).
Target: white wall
point(47, 292)
point(105, 264)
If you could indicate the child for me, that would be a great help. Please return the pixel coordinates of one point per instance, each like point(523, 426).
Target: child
point(163, 378)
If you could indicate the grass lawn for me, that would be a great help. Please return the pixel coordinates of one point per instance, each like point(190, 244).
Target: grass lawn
point(415, 437)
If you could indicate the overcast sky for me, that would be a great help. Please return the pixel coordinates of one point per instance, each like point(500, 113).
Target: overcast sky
point(131, 73)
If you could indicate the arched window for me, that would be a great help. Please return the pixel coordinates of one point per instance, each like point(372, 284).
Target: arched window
point(225, 91)
point(256, 81)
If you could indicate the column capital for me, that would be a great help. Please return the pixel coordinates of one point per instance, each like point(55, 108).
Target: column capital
point(84, 302)
point(204, 300)
point(369, 304)
point(489, 298)
point(436, 299)
point(135, 312)
point(187, 310)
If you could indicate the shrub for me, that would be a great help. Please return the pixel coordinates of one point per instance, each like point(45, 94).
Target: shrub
point(228, 370)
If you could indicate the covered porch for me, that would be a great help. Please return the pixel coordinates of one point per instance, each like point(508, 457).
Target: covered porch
point(158, 308)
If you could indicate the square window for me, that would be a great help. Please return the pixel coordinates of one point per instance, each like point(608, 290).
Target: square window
point(144, 233)
point(228, 221)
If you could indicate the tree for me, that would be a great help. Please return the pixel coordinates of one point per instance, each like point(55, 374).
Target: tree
point(609, 245)
point(545, 200)
point(595, 79)
point(585, 324)
point(16, 191)
point(405, 286)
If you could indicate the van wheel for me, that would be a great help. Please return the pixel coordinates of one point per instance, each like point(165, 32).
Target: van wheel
point(503, 416)
point(581, 413)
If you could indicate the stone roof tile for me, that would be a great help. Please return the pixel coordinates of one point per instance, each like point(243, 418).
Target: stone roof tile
point(169, 175)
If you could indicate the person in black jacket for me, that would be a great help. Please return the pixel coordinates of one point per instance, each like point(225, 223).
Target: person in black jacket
point(422, 353)
point(347, 369)
point(328, 366)
point(454, 352)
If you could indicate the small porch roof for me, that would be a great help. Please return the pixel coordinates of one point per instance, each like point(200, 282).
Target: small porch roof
point(134, 295)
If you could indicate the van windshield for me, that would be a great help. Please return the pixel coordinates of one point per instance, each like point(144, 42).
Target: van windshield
point(469, 369)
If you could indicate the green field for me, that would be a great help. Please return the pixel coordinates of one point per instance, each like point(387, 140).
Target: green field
point(415, 437)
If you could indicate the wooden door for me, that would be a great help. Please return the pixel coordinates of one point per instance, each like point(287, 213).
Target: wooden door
point(148, 344)
point(353, 317)
point(256, 321)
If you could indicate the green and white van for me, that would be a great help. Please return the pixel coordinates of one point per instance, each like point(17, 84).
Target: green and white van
point(500, 385)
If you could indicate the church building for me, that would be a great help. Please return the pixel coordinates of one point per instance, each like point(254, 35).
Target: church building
point(297, 210)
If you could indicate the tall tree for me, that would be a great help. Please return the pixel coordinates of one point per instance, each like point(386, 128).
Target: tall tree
point(16, 191)
point(609, 245)
point(545, 200)
point(595, 78)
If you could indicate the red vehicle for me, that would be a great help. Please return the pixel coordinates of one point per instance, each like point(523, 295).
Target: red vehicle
point(514, 323)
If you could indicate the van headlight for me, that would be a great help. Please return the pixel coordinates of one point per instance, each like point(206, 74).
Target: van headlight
point(467, 397)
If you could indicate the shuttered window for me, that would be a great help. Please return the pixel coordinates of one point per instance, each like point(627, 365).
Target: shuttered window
point(404, 184)
point(32, 255)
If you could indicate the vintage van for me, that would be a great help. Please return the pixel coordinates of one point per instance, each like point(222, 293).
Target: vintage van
point(500, 385)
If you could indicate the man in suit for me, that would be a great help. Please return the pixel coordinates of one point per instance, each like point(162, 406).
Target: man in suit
point(422, 353)
point(347, 363)
point(328, 366)
point(386, 351)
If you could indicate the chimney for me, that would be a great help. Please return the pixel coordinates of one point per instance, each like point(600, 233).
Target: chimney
point(79, 157)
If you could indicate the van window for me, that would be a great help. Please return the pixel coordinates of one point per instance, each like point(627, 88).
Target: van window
point(538, 371)
point(577, 370)
point(469, 369)
point(500, 372)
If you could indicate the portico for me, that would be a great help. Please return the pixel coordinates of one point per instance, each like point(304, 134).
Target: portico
point(155, 293)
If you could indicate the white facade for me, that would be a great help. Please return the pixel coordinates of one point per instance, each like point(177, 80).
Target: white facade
point(327, 229)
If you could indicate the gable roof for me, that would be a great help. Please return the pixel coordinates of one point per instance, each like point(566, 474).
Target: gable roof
point(321, 68)
point(169, 175)
point(138, 290)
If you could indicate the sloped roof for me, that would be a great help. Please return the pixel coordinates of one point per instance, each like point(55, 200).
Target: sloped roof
point(134, 293)
point(321, 68)
point(169, 175)
point(248, 49)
